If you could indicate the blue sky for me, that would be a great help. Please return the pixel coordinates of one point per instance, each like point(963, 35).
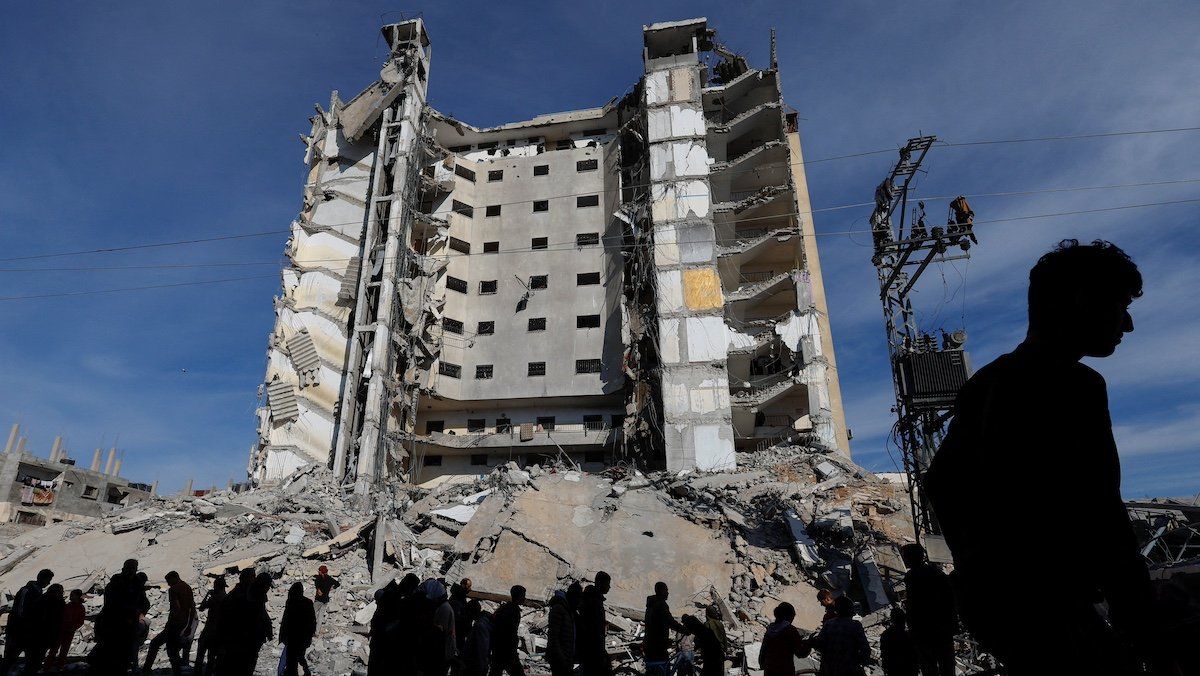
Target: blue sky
point(137, 122)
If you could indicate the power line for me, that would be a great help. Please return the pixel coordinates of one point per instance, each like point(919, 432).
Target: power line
point(134, 288)
point(145, 246)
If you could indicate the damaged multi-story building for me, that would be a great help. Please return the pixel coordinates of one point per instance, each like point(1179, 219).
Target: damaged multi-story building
point(633, 282)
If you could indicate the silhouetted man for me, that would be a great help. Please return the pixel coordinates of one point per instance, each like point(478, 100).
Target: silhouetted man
point(560, 636)
point(296, 630)
point(897, 655)
point(117, 627)
point(929, 603)
point(842, 642)
point(593, 626)
point(656, 646)
point(782, 644)
point(505, 623)
point(1032, 432)
point(212, 623)
point(22, 620)
point(47, 623)
point(180, 616)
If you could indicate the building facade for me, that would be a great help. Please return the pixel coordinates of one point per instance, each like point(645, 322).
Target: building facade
point(637, 281)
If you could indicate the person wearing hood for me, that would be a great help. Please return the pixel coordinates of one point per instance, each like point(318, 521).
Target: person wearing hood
point(713, 621)
point(506, 657)
point(712, 653)
point(656, 646)
point(782, 644)
point(842, 642)
point(560, 636)
point(435, 628)
point(296, 630)
point(478, 642)
point(394, 650)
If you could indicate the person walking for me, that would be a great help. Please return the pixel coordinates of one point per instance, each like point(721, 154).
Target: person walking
point(247, 626)
point(478, 643)
point(782, 644)
point(712, 653)
point(714, 623)
point(560, 636)
point(73, 616)
point(19, 635)
point(506, 657)
point(656, 646)
point(211, 604)
point(323, 584)
point(181, 619)
point(296, 630)
point(46, 625)
point(393, 630)
point(593, 628)
point(458, 603)
point(983, 494)
point(929, 605)
point(842, 643)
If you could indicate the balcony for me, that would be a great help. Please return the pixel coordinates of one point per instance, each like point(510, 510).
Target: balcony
point(763, 390)
point(759, 285)
point(528, 434)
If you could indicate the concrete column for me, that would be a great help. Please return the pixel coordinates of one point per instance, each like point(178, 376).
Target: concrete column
point(55, 449)
point(112, 455)
point(117, 467)
point(96, 461)
point(12, 438)
point(187, 490)
point(21, 445)
point(154, 488)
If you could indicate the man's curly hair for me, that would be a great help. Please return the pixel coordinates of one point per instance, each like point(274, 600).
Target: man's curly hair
point(1100, 268)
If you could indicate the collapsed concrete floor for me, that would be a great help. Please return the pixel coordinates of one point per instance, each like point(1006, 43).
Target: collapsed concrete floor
point(790, 522)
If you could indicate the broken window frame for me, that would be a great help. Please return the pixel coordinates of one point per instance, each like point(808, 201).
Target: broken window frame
point(432, 426)
point(485, 328)
point(476, 425)
point(539, 282)
point(460, 170)
point(452, 326)
point(587, 165)
point(460, 245)
point(488, 287)
point(484, 371)
point(450, 370)
point(583, 239)
point(504, 426)
point(456, 284)
point(564, 144)
point(495, 175)
point(462, 208)
point(536, 369)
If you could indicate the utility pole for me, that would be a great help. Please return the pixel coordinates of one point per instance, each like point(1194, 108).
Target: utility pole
point(926, 375)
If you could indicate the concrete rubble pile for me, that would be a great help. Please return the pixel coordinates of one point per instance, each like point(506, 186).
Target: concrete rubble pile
point(787, 523)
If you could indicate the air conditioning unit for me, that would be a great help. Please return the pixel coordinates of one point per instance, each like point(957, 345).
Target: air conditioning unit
point(932, 379)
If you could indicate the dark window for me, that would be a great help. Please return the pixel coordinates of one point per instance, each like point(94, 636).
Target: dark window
point(539, 281)
point(458, 149)
point(492, 210)
point(479, 459)
point(587, 365)
point(483, 372)
point(432, 426)
point(503, 426)
point(618, 420)
point(456, 284)
point(462, 208)
point(587, 321)
point(488, 146)
point(546, 422)
point(537, 368)
point(537, 323)
point(486, 328)
point(539, 243)
point(595, 132)
point(586, 278)
point(449, 370)
point(534, 139)
point(491, 247)
point(587, 239)
point(466, 173)
point(452, 326)
point(587, 165)
point(476, 424)
point(541, 205)
point(587, 201)
point(432, 461)
point(593, 422)
point(541, 169)
point(564, 144)
point(461, 246)
point(495, 175)
point(487, 287)
point(593, 456)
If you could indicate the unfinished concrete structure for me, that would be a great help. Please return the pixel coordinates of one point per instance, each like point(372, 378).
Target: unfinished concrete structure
point(35, 491)
point(635, 281)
